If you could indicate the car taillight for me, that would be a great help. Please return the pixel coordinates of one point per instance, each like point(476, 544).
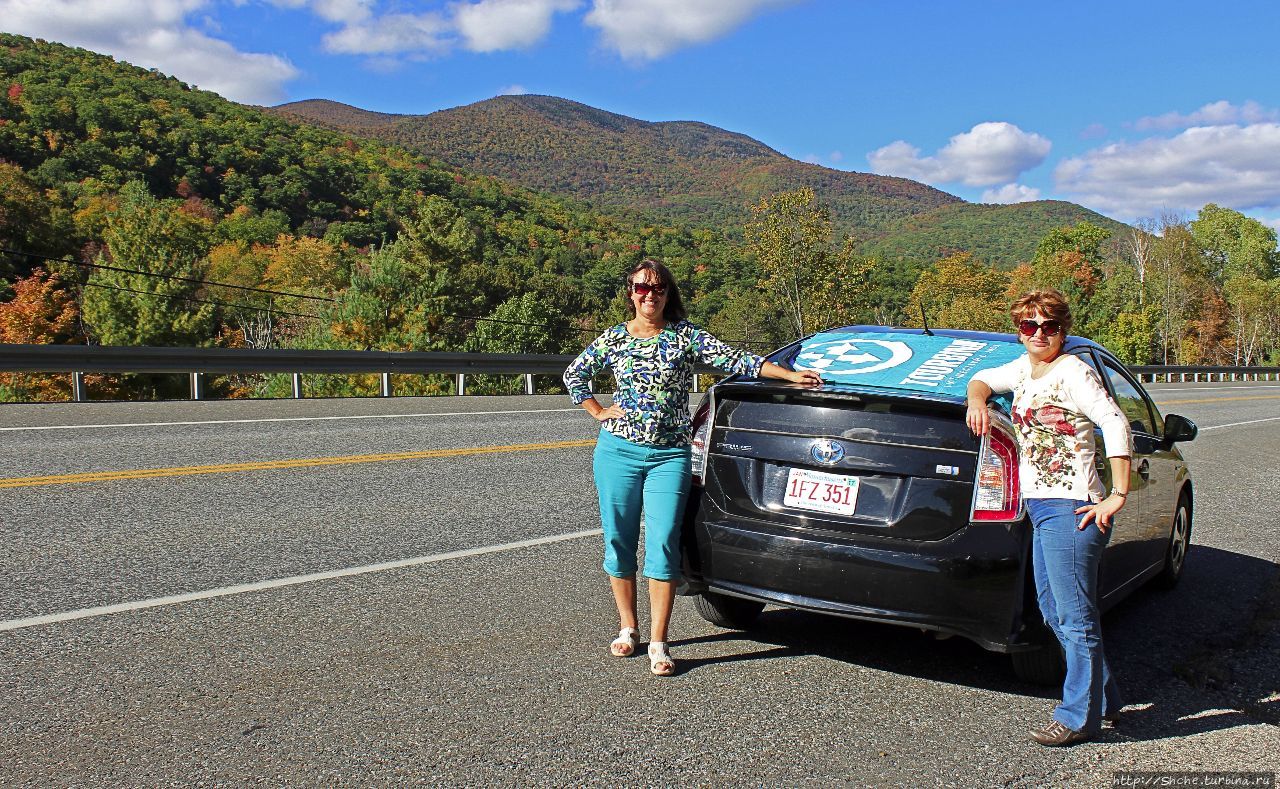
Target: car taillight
point(997, 496)
point(701, 438)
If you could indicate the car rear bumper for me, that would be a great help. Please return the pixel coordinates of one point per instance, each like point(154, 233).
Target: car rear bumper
point(972, 584)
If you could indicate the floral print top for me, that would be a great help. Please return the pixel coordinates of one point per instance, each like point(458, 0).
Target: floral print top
point(654, 376)
point(1054, 417)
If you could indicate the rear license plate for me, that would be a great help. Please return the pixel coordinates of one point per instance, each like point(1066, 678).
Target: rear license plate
point(820, 491)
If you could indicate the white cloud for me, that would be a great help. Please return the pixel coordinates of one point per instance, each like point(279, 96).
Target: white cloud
point(392, 34)
point(513, 90)
point(650, 29)
point(345, 11)
point(1011, 193)
point(988, 154)
point(1236, 166)
point(156, 35)
point(1216, 114)
point(492, 25)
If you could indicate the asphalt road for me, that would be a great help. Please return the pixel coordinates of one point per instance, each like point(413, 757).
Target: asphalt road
point(481, 657)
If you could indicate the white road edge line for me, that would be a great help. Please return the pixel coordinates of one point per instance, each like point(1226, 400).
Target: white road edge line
point(225, 591)
point(289, 419)
point(1237, 424)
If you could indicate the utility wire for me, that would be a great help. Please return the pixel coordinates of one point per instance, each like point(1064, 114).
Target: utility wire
point(167, 276)
point(200, 301)
point(103, 266)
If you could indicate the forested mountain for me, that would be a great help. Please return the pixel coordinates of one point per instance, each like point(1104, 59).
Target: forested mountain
point(688, 172)
point(678, 171)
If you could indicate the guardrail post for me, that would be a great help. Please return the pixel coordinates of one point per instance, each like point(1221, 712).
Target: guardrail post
point(528, 383)
point(462, 384)
point(386, 385)
point(197, 386)
point(297, 386)
point(77, 387)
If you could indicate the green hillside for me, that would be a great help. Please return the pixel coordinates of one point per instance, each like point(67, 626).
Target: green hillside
point(1005, 235)
point(679, 171)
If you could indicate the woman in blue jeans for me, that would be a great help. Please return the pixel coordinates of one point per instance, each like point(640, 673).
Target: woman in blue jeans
point(1057, 401)
point(642, 455)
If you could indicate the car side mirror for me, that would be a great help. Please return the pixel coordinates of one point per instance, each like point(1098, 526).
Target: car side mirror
point(1179, 428)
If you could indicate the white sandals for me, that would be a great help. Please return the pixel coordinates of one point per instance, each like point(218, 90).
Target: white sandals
point(660, 662)
point(626, 642)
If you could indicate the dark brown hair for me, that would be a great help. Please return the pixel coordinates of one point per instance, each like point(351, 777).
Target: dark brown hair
point(1048, 302)
point(673, 311)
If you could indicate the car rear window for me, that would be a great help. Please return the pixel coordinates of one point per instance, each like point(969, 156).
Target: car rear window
point(930, 364)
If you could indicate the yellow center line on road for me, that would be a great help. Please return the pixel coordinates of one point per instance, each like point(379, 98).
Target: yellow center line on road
point(1217, 399)
point(271, 465)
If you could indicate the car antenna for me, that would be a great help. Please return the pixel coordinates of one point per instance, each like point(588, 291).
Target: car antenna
point(925, 320)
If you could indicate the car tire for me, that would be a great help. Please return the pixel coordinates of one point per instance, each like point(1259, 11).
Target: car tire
point(1043, 666)
point(1175, 555)
point(721, 610)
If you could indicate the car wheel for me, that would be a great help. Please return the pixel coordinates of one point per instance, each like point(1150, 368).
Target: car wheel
point(1175, 556)
point(1043, 666)
point(734, 613)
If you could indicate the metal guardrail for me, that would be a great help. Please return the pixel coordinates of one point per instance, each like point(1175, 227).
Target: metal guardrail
point(198, 362)
point(1150, 372)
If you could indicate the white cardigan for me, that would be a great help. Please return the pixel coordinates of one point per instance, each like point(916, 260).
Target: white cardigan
point(1054, 416)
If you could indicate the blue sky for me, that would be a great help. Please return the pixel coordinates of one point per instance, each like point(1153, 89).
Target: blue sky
point(1132, 108)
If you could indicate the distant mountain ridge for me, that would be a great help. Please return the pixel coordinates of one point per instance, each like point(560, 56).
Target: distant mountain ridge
point(684, 171)
point(690, 172)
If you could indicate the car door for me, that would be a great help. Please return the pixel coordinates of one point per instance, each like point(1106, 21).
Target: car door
point(1165, 471)
point(1150, 475)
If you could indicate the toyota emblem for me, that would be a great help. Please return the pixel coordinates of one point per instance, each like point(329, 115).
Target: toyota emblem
point(826, 451)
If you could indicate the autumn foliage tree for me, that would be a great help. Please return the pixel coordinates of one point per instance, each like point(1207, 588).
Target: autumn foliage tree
point(41, 312)
point(960, 292)
point(812, 280)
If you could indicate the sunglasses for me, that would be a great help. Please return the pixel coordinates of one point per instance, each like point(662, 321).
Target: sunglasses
point(1028, 327)
point(644, 289)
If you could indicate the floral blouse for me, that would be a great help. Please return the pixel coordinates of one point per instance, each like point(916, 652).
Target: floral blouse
point(654, 377)
point(1054, 417)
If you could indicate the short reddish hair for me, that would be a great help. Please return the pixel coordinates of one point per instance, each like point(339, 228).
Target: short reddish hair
point(1048, 302)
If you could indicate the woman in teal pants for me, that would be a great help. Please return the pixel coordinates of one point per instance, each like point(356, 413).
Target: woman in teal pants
point(642, 454)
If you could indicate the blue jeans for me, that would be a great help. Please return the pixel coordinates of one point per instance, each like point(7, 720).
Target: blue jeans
point(630, 476)
point(1065, 562)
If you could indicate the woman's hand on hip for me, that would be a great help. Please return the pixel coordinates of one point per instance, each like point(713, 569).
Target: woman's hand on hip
point(1101, 513)
point(612, 412)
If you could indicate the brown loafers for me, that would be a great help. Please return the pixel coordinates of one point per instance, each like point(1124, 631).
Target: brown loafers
point(1055, 735)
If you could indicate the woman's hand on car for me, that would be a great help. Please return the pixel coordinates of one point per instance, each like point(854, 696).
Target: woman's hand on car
point(805, 377)
point(977, 417)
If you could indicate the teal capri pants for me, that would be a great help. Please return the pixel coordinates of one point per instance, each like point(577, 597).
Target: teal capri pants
point(629, 476)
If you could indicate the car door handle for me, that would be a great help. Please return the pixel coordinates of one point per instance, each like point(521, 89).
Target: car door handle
point(1144, 470)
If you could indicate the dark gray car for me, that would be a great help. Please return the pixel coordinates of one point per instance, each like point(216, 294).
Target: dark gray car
point(870, 498)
